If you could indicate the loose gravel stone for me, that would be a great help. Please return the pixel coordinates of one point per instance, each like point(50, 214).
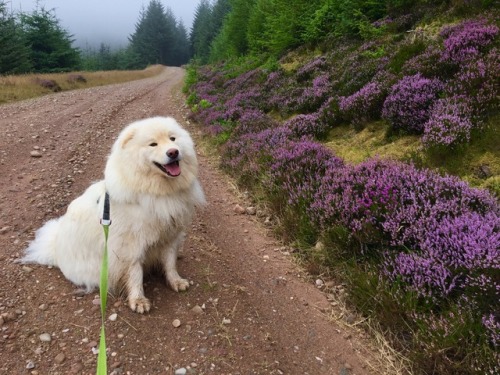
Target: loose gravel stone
point(176, 323)
point(36, 154)
point(92, 344)
point(76, 368)
point(197, 310)
point(251, 211)
point(239, 210)
point(45, 337)
point(113, 317)
point(59, 358)
point(181, 371)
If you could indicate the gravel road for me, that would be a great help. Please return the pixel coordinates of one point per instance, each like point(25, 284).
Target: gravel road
point(250, 309)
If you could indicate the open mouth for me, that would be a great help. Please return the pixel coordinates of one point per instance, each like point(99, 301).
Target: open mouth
point(172, 169)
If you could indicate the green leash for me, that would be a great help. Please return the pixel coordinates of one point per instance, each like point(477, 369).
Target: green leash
point(103, 289)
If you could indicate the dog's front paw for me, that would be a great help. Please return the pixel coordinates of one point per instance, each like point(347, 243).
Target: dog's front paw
point(140, 305)
point(179, 284)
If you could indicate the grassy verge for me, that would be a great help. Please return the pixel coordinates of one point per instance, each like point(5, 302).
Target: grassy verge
point(26, 86)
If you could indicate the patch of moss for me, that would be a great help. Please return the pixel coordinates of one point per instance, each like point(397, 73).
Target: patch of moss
point(478, 162)
point(356, 146)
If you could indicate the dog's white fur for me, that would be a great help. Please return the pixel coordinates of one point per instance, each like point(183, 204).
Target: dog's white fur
point(150, 212)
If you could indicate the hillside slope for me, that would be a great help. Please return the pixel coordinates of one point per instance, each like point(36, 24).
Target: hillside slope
point(369, 153)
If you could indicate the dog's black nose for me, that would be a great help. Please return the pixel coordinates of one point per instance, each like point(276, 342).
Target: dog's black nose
point(173, 153)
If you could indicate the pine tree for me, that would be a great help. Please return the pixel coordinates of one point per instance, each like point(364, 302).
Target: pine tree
point(236, 25)
point(200, 36)
point(149, 35)
point(50, 44)
point(277, 25)
point(14, 54)
point(220, 10)
point(182, 50)
point(170, 42)
point(155, 38)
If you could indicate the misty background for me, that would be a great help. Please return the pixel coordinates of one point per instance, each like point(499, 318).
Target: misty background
point(92, 22)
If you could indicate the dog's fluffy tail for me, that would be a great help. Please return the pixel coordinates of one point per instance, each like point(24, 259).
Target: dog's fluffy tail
point(42, 249)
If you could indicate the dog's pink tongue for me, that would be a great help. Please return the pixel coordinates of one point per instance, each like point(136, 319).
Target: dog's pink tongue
point(173, 169)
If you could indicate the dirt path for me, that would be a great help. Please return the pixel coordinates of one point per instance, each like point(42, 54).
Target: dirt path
point(258, 316)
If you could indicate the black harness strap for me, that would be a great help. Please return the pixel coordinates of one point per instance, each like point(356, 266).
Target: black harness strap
point(106, 216)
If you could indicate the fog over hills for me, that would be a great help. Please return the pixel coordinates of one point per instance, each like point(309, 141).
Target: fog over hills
point(92, 22)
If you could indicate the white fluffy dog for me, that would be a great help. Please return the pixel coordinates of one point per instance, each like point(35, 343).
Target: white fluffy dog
point(151, 178)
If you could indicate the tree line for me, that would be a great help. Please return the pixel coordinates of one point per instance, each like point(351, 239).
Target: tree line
point(225, 29)
point(36, 42)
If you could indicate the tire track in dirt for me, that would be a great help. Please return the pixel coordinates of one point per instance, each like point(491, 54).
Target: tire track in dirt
point(259, 314)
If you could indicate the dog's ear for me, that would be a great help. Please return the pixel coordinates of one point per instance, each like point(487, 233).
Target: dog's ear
point(127, 137)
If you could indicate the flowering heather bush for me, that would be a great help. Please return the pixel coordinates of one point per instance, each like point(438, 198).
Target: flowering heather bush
point(273, 80)
point(450, 231)
point(209, 116)
point(465, 41)
point(458, 337)
point(454, 257)
point(297, 169)
point(479, 80)
point(363, 105)
point(313, 67)
point(235, 106)
point(428, 63)
point(206, 91)
point(247, 155)
point(286, 97)
point(215, 129)
point(398, 203)
point(250, 80)
point(253, 121)
point(329, 113)
point(307, 125)
point(355, 71)
point(312, 97)
point(450, 122)
point(492, 325)
point(211, 75)
point(408, 104)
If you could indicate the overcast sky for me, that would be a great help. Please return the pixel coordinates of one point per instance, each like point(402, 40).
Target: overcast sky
point(107, 21)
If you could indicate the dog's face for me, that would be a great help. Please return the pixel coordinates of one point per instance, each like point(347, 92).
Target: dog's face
point(155, 149)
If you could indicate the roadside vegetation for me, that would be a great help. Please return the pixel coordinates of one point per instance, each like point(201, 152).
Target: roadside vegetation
point(371, 128)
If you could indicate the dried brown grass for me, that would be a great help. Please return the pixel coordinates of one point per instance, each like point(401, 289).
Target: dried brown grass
point(20, 87)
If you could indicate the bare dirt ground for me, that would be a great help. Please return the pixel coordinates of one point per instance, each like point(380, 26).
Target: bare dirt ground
point(250, 309)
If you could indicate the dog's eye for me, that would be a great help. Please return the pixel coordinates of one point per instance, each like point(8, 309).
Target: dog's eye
point(154, 144)
point(172, 139)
